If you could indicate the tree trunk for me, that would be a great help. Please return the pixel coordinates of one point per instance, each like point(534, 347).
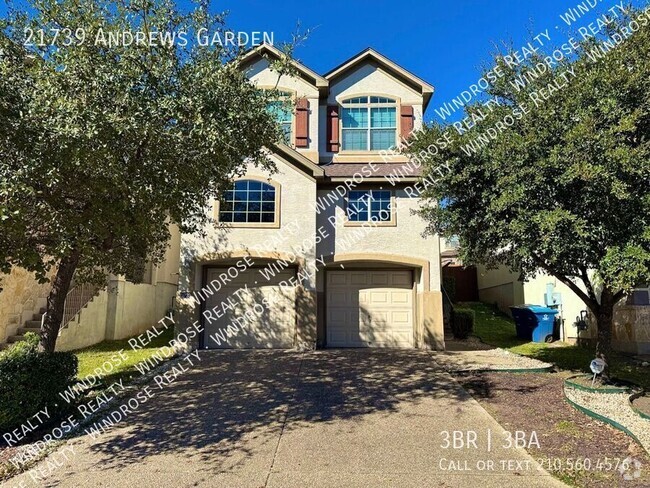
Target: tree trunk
point(604, 321)
point(56, 301)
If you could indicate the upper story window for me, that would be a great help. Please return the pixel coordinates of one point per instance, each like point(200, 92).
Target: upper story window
point(282, 110)
point(369, 206)
point(249, 201)
point(368, 123)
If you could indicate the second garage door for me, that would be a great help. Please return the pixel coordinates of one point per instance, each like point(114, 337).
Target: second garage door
point(266, 311)
point(370, 309)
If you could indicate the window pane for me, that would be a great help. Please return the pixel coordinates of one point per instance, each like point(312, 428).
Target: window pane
point(354, 117)
point(357, 208)
point(354, 139)
point(286, 132)
point(381, 100)
point(225, 216)
point(248, 201)
point(383, 117)
point(380, 205)
point(356, 100)
point(382, 139)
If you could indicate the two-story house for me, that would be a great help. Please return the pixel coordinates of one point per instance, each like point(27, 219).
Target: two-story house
point(326, 251)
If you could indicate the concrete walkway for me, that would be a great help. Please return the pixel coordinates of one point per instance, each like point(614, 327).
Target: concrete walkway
point(353, 418)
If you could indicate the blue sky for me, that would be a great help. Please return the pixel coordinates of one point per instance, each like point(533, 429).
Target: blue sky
point(443, 42)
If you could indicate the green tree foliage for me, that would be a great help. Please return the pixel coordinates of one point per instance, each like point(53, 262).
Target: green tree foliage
point(562, 184)
point(103, 147)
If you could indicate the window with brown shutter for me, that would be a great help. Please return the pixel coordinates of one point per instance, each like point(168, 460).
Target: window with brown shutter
point(302, 123)
point(406, 121)
point(333, 128)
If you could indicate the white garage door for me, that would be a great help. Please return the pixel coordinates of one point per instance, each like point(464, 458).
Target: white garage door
point(262, 316)
point(369, 309)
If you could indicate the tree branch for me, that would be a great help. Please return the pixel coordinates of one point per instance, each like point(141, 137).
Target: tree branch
point(590, 302)
point(585, 279)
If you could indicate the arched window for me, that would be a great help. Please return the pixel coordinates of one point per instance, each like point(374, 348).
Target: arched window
point(368, 123)
point(249, 201)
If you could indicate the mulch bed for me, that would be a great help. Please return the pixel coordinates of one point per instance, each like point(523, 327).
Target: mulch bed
point(642, 404)
point(535, 402)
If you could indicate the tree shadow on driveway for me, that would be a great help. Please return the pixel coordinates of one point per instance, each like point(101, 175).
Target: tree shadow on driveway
point(234, 404)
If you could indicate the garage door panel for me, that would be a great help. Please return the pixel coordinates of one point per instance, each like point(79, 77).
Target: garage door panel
point(365, 309)
point(262, 316)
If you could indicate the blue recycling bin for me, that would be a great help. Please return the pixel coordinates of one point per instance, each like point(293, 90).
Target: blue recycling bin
point(535, 322)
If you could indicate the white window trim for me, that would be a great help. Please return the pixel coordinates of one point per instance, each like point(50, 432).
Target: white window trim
point(368, 105)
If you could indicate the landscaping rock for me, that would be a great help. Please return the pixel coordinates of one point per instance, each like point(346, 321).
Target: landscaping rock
point(613, 406)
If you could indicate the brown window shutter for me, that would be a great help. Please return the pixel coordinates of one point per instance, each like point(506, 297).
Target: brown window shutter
point(333, 128)
point(302, 122)
point(406, 121)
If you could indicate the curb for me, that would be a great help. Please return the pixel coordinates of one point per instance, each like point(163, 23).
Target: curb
point(577, 386)
point(633, 397)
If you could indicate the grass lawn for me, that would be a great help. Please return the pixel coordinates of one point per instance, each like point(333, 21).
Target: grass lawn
point(93, 357)
point(498, 330)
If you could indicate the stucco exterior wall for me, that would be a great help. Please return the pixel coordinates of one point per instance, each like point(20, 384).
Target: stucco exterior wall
point(88, 328)
point(121, 310)
point(403, 239)
point(261, 75)
point(632, 329)
point(368, 79)
point(631, 322)
point(294, 236)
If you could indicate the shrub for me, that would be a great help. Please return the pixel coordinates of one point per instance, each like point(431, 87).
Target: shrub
point(462, 322)
point(31, 380)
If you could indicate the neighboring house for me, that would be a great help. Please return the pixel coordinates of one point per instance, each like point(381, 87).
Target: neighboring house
point(333, 226)
point(122, 309)
point(631, 316)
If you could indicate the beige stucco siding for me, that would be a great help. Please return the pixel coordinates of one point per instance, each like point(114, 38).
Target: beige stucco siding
point(261, 75)
point(402, 239)
point(367, 79)
point(296, 232)
point(293, 240)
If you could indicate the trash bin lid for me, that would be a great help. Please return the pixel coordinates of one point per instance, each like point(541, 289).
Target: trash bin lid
point(542, 309)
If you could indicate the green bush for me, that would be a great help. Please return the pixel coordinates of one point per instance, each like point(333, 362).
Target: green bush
point(462, 323)
point(31, 380)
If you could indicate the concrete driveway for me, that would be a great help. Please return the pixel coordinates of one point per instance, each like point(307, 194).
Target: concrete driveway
point(285, 419)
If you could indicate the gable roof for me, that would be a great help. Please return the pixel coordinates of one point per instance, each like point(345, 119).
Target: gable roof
point(421, 86)
point(267, 50)
point(300, 162)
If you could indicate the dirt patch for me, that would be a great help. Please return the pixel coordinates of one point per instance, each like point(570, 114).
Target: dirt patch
point(577, 449)
point(642, 404)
